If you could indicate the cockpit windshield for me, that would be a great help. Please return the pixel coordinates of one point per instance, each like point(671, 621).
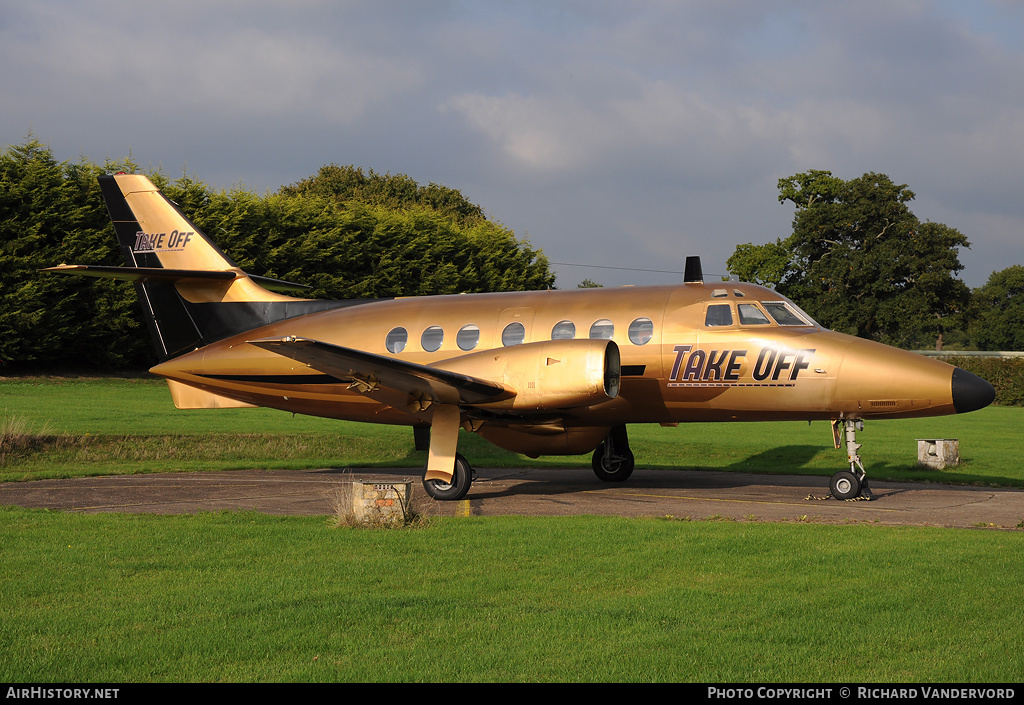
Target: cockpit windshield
point(787, 314)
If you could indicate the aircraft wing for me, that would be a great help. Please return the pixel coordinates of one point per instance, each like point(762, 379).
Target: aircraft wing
point(417, 385)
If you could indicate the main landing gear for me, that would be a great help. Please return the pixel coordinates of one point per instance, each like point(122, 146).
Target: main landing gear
point(849, 484)
point(613, 460)
point(462, 478)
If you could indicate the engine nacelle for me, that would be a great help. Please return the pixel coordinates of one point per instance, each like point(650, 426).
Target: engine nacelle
point(548, 375)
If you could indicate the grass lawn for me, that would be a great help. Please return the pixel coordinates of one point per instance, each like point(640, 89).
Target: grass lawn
point(103, 426)
point(248, 597)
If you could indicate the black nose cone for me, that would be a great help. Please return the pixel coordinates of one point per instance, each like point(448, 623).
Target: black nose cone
point(970, 391)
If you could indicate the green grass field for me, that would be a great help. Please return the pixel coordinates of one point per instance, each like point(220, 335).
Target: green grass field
point(103, 426)
point(246, 597)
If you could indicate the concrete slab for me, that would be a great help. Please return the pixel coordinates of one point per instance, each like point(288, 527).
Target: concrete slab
point(542, 492)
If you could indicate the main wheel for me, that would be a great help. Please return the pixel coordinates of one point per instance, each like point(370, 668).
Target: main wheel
point(844, 485)
point(614, 468)
point(462, 478)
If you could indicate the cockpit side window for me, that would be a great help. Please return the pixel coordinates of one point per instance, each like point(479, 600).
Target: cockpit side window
point(751, 315)
point(718, 315)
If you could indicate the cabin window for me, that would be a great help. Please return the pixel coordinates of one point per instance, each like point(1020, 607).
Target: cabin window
point(396, 340)
point(750, 315)
point(640, 331)
point(602, 330)
point(563, 330)
point(718, 315)
point(468, 337)
point(782, 315)
point(514, 334)
point(432, 338)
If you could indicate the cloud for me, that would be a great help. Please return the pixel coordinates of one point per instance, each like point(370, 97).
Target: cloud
point(243, 71)
point(654, 128)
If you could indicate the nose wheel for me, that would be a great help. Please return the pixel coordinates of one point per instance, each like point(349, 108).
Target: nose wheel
point(845, 485)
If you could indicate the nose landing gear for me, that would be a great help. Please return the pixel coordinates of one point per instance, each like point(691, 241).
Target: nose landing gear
point(849, 484)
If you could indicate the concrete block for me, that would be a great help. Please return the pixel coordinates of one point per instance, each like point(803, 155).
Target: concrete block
point(938, 453)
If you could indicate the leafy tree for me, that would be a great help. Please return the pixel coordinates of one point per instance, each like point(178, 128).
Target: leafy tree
point(997, 311)
point(357, 250)
point(766, 264)
point(589, 284)
point(860, 261)
point(349, 183)
point(51, 212)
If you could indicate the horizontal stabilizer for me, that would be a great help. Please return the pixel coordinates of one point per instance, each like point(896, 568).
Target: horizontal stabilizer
point(376, 373)
point(137, 274)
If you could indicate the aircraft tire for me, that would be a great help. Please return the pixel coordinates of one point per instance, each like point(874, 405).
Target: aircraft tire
point(844, 485)
point(457, 488)
point(617, 470)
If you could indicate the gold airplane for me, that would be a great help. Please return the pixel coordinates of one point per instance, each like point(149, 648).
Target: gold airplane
point(535, 372)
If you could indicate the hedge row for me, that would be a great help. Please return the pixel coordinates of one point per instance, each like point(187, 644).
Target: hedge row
point(1006, 374)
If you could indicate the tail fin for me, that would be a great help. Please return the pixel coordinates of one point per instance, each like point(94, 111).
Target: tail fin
point(191, 293)
point(152, 232)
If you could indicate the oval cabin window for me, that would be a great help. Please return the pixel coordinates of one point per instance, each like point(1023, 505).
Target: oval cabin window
point(640, 331)
point(468, 337)
point(514, 334)
point(432, 338)
point(396, 340)
point(602, 330)
point(563, 330)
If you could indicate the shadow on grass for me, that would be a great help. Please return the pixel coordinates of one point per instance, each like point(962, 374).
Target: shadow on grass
point(784, 459)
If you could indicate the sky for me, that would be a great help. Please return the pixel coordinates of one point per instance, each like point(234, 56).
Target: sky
point(623, 136)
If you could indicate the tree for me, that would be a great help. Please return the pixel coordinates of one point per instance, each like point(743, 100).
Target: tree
point(997, 311)
point(51, 212)
point(398, 191)
point(860, 262)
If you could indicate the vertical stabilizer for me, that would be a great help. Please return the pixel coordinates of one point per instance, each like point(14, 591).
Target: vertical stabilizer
point(152, 232)
point(185, 312)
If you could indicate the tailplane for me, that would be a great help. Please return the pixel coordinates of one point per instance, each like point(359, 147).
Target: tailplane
point(191, 293)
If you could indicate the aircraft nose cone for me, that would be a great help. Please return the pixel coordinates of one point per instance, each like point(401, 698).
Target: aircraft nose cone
point(970, 392)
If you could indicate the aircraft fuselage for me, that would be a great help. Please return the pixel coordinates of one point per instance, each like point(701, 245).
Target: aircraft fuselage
point(675, 367)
